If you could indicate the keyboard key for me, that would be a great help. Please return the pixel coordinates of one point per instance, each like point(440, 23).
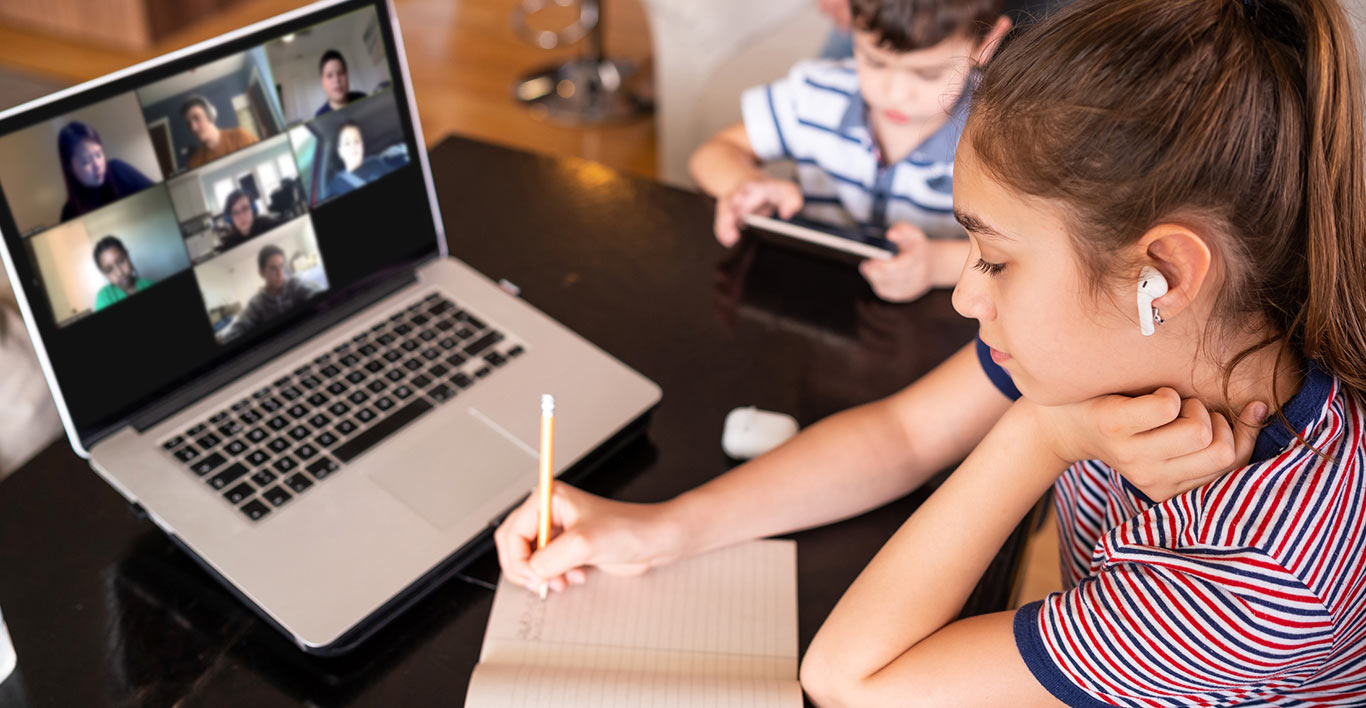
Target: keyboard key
point(290, 393)
point(431, 354)
point(299, 483)
point(330, 371)
point(270, 405)
point(402, 392)
point(258, 457)
point(395, 375)
point(482, 371)
point(241, 405)
point(346, 427)
point(402, 329)
point(257, 435)
point(399, 418)
point(298, 432)
point(236, 447)
point(438, 370)
point(262, 477)
point(358, 397)
point(317, 400)
point(327, 439)
point(218, 417)
point(341, 348)
point(277, 423)
point(448, 343)
point(298, 411)
point(261, 393)
point(356, 377)
point(365, 415)
point(409, 345)
point(305, 451)
point(208, 440)
point(419, 381)
point(338, 408)
point(196, 431)
point(374, 367)
point(319, 420)
point(456, 359)
point(384, 403)
point(471, 320)
point(285, 464)
point(515, 351)
point(250, 417)
point(441, 306)
point(413, 364)
point(386, 339)
point(228, 476)
point(419, 320)
point(208, 464)
point(441, 393)
point(303, 370)
point(360, 338)
point(445, 325)
point(310, 382)
point(280, 382)
point(377, 385)
point(323, 467)
point(277, 496)
point(495, 359)
point(322, 359)
point(349, 360)
point(230, 428)
point(278, 445)
point(368, 350)
point(427, 335)
point(393, 355)
point(482, 343)
point(254, 509)
point(461, 380)
point(337, 388)
point(173, 443)
point(464, 333)
point(237, 494)
point(187, 453)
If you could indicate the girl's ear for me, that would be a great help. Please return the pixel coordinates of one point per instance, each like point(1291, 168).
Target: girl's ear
point(987, 47)
point(1183, 257)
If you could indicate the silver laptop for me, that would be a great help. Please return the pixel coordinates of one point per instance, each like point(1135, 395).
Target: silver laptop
point(233, 269)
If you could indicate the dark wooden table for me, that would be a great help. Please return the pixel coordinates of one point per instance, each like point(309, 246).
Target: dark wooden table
point(106, 611)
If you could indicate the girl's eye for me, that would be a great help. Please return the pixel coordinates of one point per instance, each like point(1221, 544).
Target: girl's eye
point(991, 269)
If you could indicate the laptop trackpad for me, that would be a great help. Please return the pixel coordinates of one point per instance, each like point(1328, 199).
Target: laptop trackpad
point(449, 472)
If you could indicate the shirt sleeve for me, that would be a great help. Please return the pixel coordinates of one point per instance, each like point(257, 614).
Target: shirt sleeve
point(994, 372)
point(770, 116)
point(1218, 627)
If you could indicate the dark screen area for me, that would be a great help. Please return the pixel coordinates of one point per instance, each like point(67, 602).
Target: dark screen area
point(112, 362)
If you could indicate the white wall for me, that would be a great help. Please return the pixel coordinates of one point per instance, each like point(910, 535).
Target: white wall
point(31, 171)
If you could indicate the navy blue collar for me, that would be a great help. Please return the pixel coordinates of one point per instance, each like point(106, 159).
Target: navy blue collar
point(1303, 411)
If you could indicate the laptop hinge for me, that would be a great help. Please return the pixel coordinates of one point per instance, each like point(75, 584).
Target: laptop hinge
point(242, 366)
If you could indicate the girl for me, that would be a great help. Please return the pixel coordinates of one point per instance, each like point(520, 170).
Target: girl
point(1218, 142)
point(92, 180)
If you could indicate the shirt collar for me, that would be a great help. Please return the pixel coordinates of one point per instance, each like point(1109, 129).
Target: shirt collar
point(1303, 411)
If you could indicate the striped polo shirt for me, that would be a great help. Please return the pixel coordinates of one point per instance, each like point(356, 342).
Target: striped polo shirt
point(816, 117)
point(1248, 591)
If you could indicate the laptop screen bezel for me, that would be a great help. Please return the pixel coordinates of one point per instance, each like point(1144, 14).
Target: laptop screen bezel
point(131, 78)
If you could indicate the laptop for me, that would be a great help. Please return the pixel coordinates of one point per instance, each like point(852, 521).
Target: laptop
point(236, 278)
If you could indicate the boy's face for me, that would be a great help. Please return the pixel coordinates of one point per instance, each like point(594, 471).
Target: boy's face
point(905, 88)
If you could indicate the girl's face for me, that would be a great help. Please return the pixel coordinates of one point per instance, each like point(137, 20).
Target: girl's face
point(351, 148)
point(87, 163)
point(1024, 283)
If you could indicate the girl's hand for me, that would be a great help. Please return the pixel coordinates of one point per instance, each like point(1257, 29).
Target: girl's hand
point(761, 195)
point(1162, 444)
point(587, 530)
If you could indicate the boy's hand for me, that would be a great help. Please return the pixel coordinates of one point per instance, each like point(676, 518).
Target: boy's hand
point(920, 264)
point(761, 195)
point(1162, 444)
point(616, 537)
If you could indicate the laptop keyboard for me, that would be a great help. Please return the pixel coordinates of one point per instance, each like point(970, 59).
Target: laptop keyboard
point(264, 450)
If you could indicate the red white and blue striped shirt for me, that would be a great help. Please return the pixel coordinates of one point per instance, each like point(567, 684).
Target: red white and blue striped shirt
point(1248, 591)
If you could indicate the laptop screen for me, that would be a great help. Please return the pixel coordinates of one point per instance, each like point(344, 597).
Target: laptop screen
point(164, 222)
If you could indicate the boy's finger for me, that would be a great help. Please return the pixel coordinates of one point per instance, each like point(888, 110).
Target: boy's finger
point(726, 229)
point(789, 200)
point(904, 234)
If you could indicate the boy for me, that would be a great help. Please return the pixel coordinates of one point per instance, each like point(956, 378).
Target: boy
point(873, 139)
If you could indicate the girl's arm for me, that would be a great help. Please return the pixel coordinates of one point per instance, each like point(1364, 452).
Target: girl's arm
point(892, 640)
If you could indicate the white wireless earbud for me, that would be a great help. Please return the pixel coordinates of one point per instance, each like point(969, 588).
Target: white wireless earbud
point(1151, 285)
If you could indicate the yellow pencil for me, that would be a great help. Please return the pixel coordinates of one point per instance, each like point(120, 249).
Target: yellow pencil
point(547, 486)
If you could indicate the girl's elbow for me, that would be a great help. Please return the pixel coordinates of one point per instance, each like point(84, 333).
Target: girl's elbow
point(823, 682)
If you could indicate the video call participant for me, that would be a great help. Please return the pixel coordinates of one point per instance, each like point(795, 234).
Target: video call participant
point(336, 82)
point(357, 171)
point(280, 293)
point(214, 142)
point(92, 180)
point(243, 222)
point(111, 257)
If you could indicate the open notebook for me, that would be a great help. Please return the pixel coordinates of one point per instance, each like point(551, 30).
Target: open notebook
point(717, 630)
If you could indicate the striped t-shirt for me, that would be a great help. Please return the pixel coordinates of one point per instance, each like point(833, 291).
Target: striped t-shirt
point(1248, 591)
point(816, 117)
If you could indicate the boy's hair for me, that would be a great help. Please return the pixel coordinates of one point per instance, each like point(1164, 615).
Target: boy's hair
point(908, 25)
point(1241, 118)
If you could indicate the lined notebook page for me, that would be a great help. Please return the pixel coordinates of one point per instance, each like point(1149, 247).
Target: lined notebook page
point(717, 630)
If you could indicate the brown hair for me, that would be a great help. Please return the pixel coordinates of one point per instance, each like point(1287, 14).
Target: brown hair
point(1239, 117)
point(907, 25)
